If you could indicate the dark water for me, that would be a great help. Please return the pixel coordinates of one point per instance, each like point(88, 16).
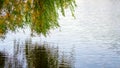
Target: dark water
point(35, 55)
point(45, 55)
point(92, 40)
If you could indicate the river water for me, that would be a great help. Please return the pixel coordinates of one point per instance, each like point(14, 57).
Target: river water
point(91, 40)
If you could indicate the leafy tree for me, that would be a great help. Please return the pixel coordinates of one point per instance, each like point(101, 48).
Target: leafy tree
point(39, 15)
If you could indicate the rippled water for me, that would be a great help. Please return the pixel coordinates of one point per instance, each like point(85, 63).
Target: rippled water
point(92, 40)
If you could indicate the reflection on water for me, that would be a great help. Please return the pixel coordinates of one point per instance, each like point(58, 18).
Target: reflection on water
point(90, 41)
point(2, 60)
point(46, 55)
point(40, 56)
point(29, 55)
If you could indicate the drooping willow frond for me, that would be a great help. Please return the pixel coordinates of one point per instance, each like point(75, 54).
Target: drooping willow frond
point(40, 15)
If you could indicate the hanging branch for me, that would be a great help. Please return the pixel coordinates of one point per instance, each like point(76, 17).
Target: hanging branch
point(40, 15)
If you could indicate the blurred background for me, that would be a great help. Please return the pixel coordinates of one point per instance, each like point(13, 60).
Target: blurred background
point(91, 40)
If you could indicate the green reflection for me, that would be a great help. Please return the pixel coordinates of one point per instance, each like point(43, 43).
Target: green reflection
point(42, 57)
point(30, 55)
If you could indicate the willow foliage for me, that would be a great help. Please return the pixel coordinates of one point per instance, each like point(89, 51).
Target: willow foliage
point(40, 15)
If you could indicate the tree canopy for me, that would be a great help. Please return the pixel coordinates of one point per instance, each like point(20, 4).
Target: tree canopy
point(40, 15)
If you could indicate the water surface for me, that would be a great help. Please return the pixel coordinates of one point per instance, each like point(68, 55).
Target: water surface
point(92, 40)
